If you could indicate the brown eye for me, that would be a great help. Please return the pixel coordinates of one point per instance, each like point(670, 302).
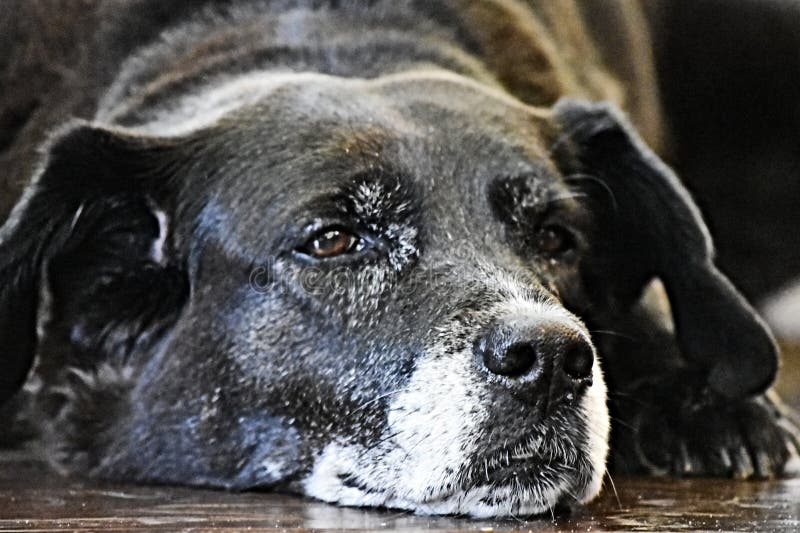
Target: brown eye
point(553, 241)
point(330, 243)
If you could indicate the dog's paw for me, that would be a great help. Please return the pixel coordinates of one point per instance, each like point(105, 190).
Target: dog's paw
point(704, 435)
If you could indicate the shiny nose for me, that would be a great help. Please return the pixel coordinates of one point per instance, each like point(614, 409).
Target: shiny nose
point(538, 359)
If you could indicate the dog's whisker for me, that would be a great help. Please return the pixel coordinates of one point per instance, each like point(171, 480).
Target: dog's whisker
point(381, 397)
point(623, 423)
point(594, 179)
point(564, 197)
point(377, 443)
point(613, 333)
point(619, 394)
point(614, 488)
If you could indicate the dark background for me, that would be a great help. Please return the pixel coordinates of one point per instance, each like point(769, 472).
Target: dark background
point(730, 80)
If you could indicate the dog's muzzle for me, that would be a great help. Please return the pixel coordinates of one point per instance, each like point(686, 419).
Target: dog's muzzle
point(541, 362)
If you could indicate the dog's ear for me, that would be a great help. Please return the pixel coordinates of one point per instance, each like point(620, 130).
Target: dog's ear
point(87, 235)
point(648, 226)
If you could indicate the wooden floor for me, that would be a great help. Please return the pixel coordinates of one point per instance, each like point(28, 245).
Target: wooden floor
point(31, 499)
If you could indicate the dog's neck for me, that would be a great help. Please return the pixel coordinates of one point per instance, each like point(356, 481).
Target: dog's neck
point(218, 59)
point(197, 71)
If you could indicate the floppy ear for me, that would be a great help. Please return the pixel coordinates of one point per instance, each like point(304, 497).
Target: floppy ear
point(648, 226)
point(86, 227)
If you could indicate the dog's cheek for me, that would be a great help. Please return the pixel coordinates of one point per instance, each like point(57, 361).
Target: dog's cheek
point(205, 408)
point(234, 451)
point(438, 421)
point(333, 388)
point(434, 423)
point(194, 421)
point(78, 417)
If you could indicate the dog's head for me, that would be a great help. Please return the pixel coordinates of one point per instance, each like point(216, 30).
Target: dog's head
point(372, 292)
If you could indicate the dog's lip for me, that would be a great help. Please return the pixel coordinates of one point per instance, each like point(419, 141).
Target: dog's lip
point(499, 465)
point(502, 468)
point(519, 463)
point(518, 470)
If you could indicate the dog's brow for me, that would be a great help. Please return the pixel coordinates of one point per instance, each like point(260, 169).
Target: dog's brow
point(363, 143)
point(529, 187)
point(525, 195)
point(377, 191)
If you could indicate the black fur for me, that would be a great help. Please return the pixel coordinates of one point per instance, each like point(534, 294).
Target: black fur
point(160, 281)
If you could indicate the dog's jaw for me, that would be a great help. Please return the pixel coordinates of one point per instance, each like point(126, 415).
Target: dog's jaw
point(429, 459)
point(427, 480)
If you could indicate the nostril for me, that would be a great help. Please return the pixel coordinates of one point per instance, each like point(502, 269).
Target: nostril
point(515, 360)
point(578, 361)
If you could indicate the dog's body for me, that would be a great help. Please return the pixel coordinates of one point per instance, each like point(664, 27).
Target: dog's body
point(369, 252)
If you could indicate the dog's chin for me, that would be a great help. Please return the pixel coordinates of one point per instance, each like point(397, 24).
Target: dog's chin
point(505, 485)
point(560, 462)
point(508, 482)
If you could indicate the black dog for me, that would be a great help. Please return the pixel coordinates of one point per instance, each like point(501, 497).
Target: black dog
point(374, 253)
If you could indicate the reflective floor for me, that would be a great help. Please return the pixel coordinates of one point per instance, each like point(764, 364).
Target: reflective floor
point(30, 501)
point(33, 500)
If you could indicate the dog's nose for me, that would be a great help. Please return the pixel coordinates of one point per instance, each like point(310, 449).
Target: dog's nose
point(550, 358)
point(578, 360)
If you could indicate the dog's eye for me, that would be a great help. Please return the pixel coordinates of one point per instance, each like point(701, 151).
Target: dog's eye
point(329, 243)
point(554, 241)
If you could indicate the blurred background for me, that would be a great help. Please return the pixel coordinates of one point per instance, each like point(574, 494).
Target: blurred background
point(729, 74)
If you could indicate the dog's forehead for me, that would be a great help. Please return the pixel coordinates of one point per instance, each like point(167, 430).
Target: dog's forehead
point(426, 114)
point(440, 136)
point(419, 110)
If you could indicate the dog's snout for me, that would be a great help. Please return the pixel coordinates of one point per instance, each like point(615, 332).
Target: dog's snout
point(546, 359)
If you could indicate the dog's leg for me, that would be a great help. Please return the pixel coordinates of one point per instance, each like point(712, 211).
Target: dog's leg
point(667, 421)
